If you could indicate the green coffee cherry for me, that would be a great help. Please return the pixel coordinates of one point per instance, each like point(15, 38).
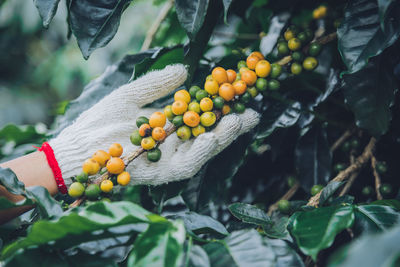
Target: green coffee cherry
point(136, 139)
point(239, 107)
point(200, 94)
point(245, 98)
point(141, 120)
point(276, 70)
point(261, 84)
point(93, 191)
point(316, 189)
point(154, 155)
point(381, 167)
point(367, 191)
point(273, 84)
point(296, 68)
point(386, 190)
point(310, 63)
point(82, 178)
point(76, 190)
point(218, 102)
point(298, 56)
point(303, 37)
point(291, 180)
point(283, 49)
point(284, 206)
point(253, 91)
point(184, 132)
point(315, 49)
point(178, 121)
point(193, 90)
point(241, 64)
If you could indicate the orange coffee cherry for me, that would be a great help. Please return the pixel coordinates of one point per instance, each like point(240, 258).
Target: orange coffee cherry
point(263, 68)
point(179, 107)
point(182, 95)
point(90, 167)
point(191, 118)
point(115, 165)
point(101, 157)
point(115, 150)
point(252, 62)
point(144, 130)
point(240, 87)
point(257, 54)
point(157, 119)
point(211, 86)
point(226, 91)
point(231, 75)
point(219, 75)
point(249, 77)
point(123, 178)
point(243, 69)
point(226, 109)
point(158, 134)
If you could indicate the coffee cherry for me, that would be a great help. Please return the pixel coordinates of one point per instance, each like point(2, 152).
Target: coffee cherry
point(289, 34)
point(367, 191)
point(178, 121)
point(193, 90)
point(181, 95)
point(243, 69)
point(263, 68)
point(206, 104)
point(310, 34)
point(239, 107)
point(346, 146)
point(320, 12)
point(82, 177)
point(92, 192)
point(201, 94)
point(211, 87)
point(241, 64)
point(238, 76)
point(227, 91)
point(240, 87)
point(141, 120)
point(252, 62)
point(158, 119)
point(283, 49)
point(207, 119)
point(116, 165)
point(101, 157)
point(310, 63)
point(158, 134)
point(90, 167)
point(148, 143)
point(314, 49)
point(294, 44)
point(191, 118)
point(184, 132)
point(339, 167)
point(257, 54)
point(135, 138)
point(219, 75)
point(261, 84)
point(153, 155)
point(284, 206)
point(194, 106)
point(106, 186)
point(76, 190)
point(124, 178)
point(115, 150)
point(303, 37)
point(168, 112)
point(179, 107)
point(226, 109)
point(245, 98)
point(209, 77)
point(298, 56)
point(231, 75)
point(291, 180)
point(316, 189)
point(218, 102)
point(296, 68)
point(274, 84)
point(354, 143)
point(249, 77)
point(144, 130)
point(276, 70)
point(196, 131)
point(253, 91)
point(386, 190)
point(381, 167)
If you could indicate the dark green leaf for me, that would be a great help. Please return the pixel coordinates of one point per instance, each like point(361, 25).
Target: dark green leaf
point(47, 205)
point(10, 181)
point(198, 257)
point(74, 227)
point(313, 158)
point(47, 9)
point(370, 251)
point(191, 15)
point(94, 23)
point(370, 94)
point(20, 134)
point(241, 248)
point(285, 255)
point(160, 245)
point(383, 8)
point(277, 227)
point(200, 224)
point(373, 218)
point(227, 4)
point(316, 230)
point(394, 203)
point(328, 191)
point(360, 35)
point(249, 214)
point(278, 115)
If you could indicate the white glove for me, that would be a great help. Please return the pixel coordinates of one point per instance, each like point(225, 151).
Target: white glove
point(112, 120)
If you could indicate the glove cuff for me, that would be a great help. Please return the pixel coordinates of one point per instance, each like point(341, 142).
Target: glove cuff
point(55, 168)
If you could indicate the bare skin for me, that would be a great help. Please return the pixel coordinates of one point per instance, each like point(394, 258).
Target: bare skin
point(32, 170)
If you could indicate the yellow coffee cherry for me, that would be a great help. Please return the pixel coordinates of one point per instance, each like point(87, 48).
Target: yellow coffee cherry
point(207, 119)
point(90, 167)
point(196, 131)
point(182, 95)
point(157, 119)
point(206, 104)
point(115, 150)
point(106, 186)
point(123, 178)
point(101, 157)
point(179, 107)
point(211, 86)
point(194, 106)
point(148, 143)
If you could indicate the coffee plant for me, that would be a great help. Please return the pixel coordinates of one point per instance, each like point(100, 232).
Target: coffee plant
point(314, 184)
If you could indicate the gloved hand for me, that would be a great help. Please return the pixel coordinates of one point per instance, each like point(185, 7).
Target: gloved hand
point(112, 120)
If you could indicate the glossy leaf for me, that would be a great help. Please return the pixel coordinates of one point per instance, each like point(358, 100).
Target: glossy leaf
point(160, 245)
point(313, 158)
point(370, 94)
point(278, 227)
point(227, 4)
point(94, 23)
point(370, 251)
point(241, 248)
point(393, 203)
point(76, 226)
point(285, 255)
point(316, 230)
point(198, 257)
point(328, 191)
point(373, 218)
point(191, 15)
point(200, 224)
point(360, 36)
point(249, 214)
point(47, 9)
point(383, 8)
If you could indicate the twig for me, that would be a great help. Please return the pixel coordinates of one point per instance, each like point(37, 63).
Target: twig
point(356, 166)
point(352, 178)
point(342, 139)
point(377, 178)
point(154, 28)
point(288, 195)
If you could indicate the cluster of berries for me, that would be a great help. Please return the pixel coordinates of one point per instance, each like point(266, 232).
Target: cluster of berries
point(320, 12)
point(291, 43)
point(100, 162)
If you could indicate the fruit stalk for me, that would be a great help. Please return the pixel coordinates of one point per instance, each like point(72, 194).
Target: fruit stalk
point(287, 196)
point(377, 177)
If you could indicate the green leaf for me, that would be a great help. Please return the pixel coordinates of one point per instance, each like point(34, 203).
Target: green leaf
point(313, 158)
point(278, 227)
point(285, 255)
point(76, 226)
point(20, 134)
point(278, 115)
point(94, 23)
point(316, 230)
point(200, 224)
point(360, 36)
point(240, 248)
point(227, 4)
point(328, 191)
point(47, 9)
point(191, 15)
point(370, 94)
point(10, 181)
point(249, 214)
point(198, 257)
point(394, 203)
point(373, 218)
point(370, 251)
point(160, 245)
point(383, 8)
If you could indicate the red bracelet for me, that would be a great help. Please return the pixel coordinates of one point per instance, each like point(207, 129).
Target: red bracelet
point(51, 159)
